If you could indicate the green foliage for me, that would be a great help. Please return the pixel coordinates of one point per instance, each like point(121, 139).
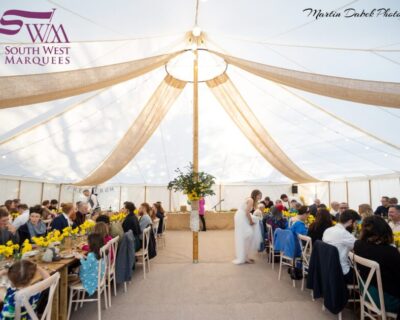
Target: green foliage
point(194, 188)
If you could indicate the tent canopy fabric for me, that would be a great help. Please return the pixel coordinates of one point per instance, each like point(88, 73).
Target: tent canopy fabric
point(70, 146)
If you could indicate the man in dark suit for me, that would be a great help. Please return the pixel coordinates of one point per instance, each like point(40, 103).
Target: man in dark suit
point(64, 219)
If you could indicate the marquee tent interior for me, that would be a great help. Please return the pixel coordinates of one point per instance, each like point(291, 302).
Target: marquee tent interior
point(350, 148)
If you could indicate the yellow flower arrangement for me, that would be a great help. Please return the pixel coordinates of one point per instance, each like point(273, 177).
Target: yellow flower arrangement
point(52, 237)
point(193, 196)
point(396, 236)
point(8, 249)
point(14, 215)
point(310, 219)
point(288, 214)
point(118, 217)
point(26, 247)
point(40, 241)
point(85, 227)
point(193, 184)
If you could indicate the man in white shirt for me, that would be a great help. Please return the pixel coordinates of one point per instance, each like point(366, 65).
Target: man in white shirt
point(394, 215)
point(341, 237)
point(91, 200)
point(23, 216)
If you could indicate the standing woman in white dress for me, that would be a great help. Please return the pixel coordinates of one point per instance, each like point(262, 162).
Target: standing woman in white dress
point(244, 231)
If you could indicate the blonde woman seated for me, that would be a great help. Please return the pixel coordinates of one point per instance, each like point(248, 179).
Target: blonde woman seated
point(365, 210)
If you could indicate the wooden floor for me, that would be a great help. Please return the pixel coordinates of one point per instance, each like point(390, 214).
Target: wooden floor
point(212, 289)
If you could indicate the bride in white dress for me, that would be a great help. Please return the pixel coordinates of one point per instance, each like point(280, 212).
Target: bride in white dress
point(244, 229)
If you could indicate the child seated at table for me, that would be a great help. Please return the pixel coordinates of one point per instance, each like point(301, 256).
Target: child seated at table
point(20, 275)
point(88, 271)
point(102, 229)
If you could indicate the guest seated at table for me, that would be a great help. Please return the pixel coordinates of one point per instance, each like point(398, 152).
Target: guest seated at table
point(88, 271)
point(115, 228)
point(160, 214)
point(365, 210)
point(144, 220)
point(376, 244)
point(83, 210)
point(293, 206)
point(65, 218)
point(7, 230)
point(35, 227)
point(23, 217)
point(53, 205)
point(340, 236)
point(9, 204)
point(131, 222)
point(20, 275)
point(267, 202)
point(343, 206)
point(275, 219)
point(102, 229)
point(314, 207)
point(383, 209)
point(46, 213)
point(323, 221)
point(298, 225)
point(285, 202)
point(334, 209)
point(394, 216)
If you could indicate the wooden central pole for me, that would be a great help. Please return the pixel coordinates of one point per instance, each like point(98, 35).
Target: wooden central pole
point(195, 143)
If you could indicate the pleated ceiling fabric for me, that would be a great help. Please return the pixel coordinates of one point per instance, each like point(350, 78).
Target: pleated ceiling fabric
point(28, 89)
point(236, 107)
point(139, 132)
point(378, 93)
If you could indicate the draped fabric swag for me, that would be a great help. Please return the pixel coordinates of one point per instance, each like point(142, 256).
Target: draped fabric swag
point(139, 132)
point(233, 103)
point(28, 89)
point(378, 93)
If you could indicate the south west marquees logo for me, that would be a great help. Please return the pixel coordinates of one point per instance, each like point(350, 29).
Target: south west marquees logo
point(50, 40)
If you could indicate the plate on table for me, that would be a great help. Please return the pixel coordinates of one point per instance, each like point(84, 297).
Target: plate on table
point(30, 254)
point(67, 255)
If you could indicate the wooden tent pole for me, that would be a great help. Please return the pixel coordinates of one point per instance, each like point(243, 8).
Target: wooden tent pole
point(195, 204)
point(19, 189)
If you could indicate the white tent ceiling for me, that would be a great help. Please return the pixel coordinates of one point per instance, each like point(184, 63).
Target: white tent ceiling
point(277, 33)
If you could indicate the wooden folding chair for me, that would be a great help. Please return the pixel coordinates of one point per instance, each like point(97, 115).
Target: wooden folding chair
point(369, 307)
